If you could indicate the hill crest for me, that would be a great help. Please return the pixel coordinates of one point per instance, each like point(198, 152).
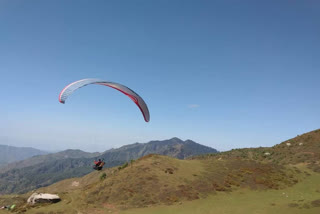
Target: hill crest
point(47, 169)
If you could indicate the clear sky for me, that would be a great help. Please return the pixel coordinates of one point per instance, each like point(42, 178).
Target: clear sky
point(227, 74)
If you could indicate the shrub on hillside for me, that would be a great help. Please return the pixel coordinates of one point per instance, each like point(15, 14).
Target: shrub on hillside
point(103, 176)
point(123, 166)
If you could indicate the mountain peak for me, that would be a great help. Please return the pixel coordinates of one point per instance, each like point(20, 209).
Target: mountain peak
point(176, 139)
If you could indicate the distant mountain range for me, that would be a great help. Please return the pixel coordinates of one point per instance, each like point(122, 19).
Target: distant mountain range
point(40, 159)
point(9, 154)
point(43, 170)
point(174, 147)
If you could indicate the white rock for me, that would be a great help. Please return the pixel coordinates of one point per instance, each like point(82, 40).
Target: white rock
point(43, 198)
point(300, 144)
point(288, 144)
point(267, 154)
point(75, 183)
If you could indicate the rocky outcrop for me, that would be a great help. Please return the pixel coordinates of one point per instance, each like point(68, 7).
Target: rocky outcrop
point(43, 198)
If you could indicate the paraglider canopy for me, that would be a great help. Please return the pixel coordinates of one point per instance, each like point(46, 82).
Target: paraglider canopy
point(69, 89)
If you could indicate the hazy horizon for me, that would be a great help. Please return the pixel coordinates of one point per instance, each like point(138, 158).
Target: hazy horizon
point(45, 148)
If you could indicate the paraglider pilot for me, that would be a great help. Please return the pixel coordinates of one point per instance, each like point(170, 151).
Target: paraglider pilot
point(97, 163)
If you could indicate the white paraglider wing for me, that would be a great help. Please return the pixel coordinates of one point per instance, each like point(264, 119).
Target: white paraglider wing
point(69, 89)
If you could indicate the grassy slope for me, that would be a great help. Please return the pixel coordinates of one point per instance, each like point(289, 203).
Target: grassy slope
point(45, 170)
point(295, 199)
point(301, 149)
point(231, 182)
point(160, 180)
point(246, 201)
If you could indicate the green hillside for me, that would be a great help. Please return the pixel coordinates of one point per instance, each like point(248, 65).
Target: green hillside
point(238, 181)
point(40, 171)
point(301, 149)
point(158, 183)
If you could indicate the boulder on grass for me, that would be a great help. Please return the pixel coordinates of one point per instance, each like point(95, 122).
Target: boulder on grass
point(43, 198)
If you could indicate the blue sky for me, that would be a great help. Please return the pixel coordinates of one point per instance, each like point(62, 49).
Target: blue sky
point(227, 74)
